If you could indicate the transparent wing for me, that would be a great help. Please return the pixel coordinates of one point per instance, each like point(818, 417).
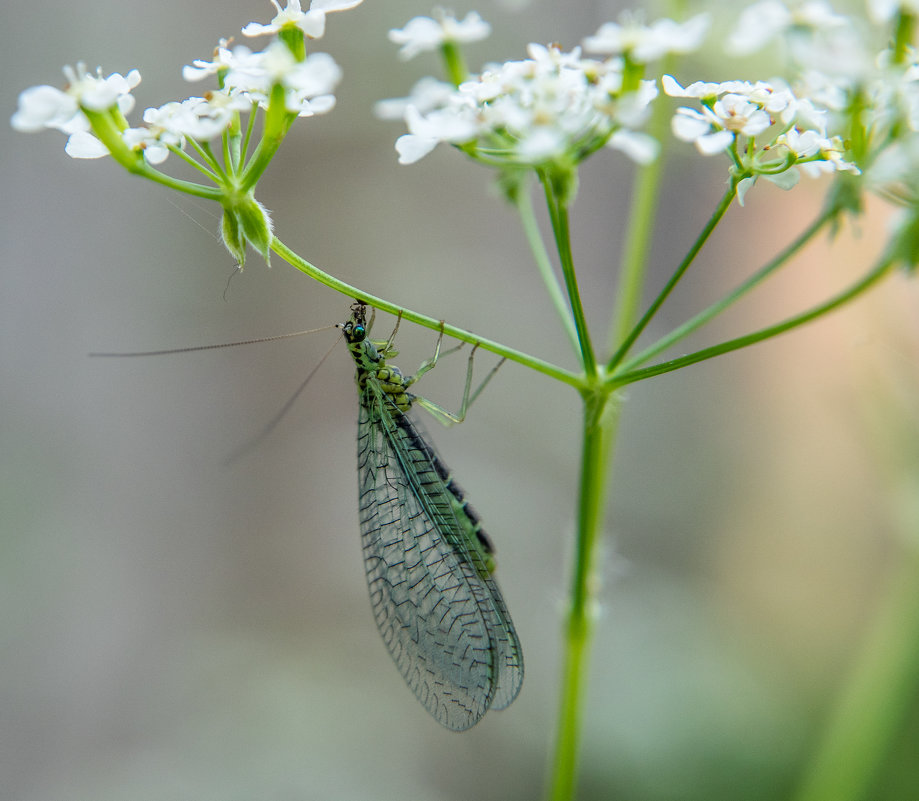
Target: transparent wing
point(459, 522)
point(426, 597)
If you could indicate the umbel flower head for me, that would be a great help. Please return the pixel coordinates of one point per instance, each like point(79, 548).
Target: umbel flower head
point(66, 109)
point(281, 80)
point(763, 127)
point(848, 103)
point(311, 23)
point(424, 34)
point(547, 112)
point(552, 108)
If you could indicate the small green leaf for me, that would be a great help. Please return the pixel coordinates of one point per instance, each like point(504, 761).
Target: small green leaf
point(256, 226)
point(232, 237)
point(246, 222)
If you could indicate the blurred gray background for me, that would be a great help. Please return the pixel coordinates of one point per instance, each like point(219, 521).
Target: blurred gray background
point(174, 626)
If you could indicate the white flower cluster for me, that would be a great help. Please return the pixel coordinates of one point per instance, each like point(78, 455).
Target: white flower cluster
point(846, 103)
point(893, 124)
point(528, 112)
point(553, 107)
point(308, 84)
point(48, 107)
point(792, 132)
point(424, 34)
point(641, 43)
point(765, 21)
point(311, 22)
point(246, 77)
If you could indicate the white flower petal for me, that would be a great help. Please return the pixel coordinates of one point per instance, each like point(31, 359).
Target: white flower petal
point(713, 143)
point(334, 5)
point(671, 87)
point(882, 11)
point(688, 124)
point(697, 90)
point(257, 29)
point(156, 153)
point(640, 147)
point(43, 107)
point(784, 180)
point(313, 24)
point(744, 186)
point(471, 29)
point(757, 25)
point(83, 145)
point(420, 34)
point(542, 143)
point(99, 95)
point(411, 148)
point(423, 34)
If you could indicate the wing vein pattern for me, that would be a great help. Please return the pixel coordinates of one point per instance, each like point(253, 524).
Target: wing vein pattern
point(438, 609)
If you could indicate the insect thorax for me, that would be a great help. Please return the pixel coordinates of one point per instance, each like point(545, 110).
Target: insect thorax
point(387, 378)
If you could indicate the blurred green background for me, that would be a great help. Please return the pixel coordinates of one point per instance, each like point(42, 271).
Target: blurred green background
point(173, 626)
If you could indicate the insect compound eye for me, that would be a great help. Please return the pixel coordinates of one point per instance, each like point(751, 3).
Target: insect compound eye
point(358, 332)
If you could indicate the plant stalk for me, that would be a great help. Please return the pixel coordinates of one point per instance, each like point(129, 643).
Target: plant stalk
point(600, 419)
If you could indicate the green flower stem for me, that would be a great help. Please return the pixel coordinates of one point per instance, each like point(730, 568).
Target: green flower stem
point(193, 162)
point(627, 343)
point(621, 378)
point(543, 263)
point(187, 187)
point(638, 241)
point(558, 214)
point(602, 415)
point(275, 128)
point(107, 127)
point(230, 147)
point(216, 171)
point(231, 139)
point(534, 363)
point(715, 309)
point(643, 214)
point(247, 137)
point(903, 36)
point(295, 40)
point(600, 420)
point(454, 63)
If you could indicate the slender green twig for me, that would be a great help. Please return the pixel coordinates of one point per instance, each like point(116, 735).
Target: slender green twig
point(713, 221)
point(210, 160)
point(620, 379)
point(454, 62)
point(715, 309)
point(558, 215)
point(600, 420)
point(247, 137)
point(187, 187)
point(597, 454)
point(193, 162)
point(230, 148)
point(640, 228)
point(511, 354)
point(528, 220)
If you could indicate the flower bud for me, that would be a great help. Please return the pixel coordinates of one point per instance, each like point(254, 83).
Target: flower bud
point(244, 222)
